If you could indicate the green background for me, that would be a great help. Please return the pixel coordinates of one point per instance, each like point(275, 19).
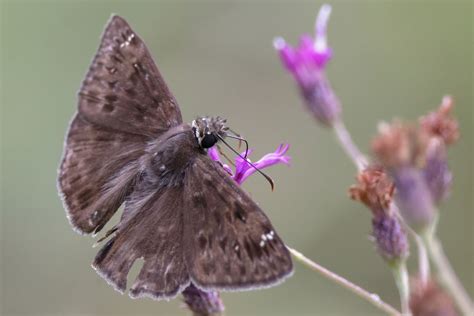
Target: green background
point(391, 59)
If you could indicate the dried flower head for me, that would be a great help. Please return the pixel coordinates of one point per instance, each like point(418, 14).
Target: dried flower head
point(374, 188)
point(399, 145)
point(441, 124)
point(203, 303)
point(430, 300)
point(307, 64)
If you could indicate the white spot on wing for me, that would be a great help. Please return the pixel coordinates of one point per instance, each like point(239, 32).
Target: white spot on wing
point(168, 268)
point(127, 42)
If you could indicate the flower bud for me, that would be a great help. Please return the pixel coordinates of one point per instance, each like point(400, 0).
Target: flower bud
point(436, 172)
point(413, 197)
point(203, 303)
point(390, 237)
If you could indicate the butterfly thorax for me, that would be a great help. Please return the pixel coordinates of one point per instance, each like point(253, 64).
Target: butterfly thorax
point(208, 130)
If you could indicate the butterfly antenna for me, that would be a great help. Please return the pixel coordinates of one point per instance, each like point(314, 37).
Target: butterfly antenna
point(241, 140)
point(238, 135)
point(272, 184)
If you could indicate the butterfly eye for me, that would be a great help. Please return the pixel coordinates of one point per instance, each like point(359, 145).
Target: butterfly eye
point(208, 141)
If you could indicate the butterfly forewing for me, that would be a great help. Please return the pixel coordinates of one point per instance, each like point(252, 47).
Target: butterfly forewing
point(230, 243)
point(97, 169)
point(123, 102)
point(123, 89)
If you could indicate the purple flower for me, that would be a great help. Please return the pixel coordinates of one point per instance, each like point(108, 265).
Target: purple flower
point(390, 237)
point(243, 169)
point(311, 53)
point(436, 172)
point(213, 152)
point(413, 196)
point(307, 63)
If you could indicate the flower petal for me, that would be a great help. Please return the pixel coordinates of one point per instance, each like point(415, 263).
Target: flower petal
point(213, 153)
point(244, 169)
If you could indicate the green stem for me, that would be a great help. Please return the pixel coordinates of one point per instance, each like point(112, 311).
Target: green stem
point(400, 274)
point(446, 274)
point(423, 260)
point(372, 298)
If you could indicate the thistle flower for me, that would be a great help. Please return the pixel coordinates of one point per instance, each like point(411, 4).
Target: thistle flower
point(375, 189)
point(400, 145)
point(203, 303)
point(444, 131)
point(243, 169)
point(428, 299)
point(401, 149)
point(307, 64)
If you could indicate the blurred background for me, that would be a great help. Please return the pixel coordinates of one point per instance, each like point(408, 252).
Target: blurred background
point(391, 59)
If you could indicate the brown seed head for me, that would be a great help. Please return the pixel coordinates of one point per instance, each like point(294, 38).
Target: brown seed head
point(374, 188)
point(399, 145)
point(440, 123)
point(430, 300)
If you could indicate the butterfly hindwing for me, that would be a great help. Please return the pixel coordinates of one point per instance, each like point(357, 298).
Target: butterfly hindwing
point(153, 234)
point(96, 171)
point(123, 89)
point(151, 226)
point(230, 243)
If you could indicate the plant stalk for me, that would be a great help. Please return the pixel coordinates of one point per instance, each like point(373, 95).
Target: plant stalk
point(400, 274)
point(372, 298)
point(446, 274)
point(345, 140)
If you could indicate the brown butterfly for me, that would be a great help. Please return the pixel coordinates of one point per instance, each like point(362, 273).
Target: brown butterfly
point(183, 214)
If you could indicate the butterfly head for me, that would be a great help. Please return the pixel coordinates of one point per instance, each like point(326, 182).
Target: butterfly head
point(208, 130)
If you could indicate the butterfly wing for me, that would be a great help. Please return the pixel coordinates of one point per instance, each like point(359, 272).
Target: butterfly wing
point(97, 169)
point(123, 102)
point(190, 222)
point(123, 89)
point(151, 226)
point(153, 233)
point(229, 243)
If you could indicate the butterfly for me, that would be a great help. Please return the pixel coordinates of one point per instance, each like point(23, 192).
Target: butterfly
point(183, 215)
